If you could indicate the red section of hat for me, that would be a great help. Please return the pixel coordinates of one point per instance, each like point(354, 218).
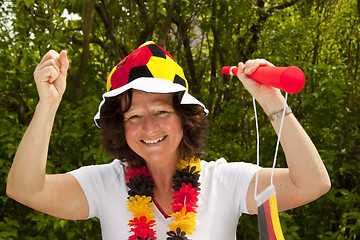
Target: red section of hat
point(138, 57)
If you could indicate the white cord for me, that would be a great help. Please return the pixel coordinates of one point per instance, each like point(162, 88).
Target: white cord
point(258, 144)
point(278, 140)
point(257, 147)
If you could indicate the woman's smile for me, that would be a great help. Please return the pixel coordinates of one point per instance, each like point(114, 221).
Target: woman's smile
point(154, 140)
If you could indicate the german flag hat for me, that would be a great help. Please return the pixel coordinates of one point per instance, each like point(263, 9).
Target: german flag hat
point(151, 69)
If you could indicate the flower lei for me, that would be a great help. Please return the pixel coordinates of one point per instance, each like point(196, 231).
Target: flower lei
point(186, 192)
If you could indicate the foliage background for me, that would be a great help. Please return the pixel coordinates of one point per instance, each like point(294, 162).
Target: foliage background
point(319, 36)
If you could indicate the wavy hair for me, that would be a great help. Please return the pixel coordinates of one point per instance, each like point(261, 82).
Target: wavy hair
point(193, 119)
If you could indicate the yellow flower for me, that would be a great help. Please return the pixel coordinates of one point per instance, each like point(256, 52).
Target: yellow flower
point(185, 221)
point(140, 206)
point(183, 163)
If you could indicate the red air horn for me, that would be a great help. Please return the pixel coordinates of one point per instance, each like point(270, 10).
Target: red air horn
point(290, 79)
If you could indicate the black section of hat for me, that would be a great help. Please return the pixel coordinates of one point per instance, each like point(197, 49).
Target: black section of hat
point(156, 51)
point(137, 72)
point(179, 80)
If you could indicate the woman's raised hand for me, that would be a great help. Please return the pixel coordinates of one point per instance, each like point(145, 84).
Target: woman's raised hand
point(50, 76)
point(270, 98)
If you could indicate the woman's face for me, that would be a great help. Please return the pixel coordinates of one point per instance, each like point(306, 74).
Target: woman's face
point(152, 128)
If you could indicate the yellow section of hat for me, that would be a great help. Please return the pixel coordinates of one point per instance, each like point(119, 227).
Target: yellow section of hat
point(165, 69)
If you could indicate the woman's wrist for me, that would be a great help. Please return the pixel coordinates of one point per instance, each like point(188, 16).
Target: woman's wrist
point(47, 108)
point(280, 114)
point(272, 104)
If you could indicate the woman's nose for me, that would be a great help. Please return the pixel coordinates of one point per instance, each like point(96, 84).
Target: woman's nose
point(149, 123)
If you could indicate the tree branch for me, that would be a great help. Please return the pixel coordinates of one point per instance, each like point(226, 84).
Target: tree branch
point(170, 12)
point(105, 15)
point(283, 6)
point(150, 24)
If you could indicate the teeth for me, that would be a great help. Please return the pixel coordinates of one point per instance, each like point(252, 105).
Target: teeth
point(153, 141)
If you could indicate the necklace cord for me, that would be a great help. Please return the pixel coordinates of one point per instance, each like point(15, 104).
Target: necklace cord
point(258, 144)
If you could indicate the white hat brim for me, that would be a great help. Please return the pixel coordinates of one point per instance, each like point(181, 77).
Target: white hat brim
point(152, 85)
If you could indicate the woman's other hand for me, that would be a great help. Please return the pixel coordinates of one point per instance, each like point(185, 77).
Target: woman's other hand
point(50, 76)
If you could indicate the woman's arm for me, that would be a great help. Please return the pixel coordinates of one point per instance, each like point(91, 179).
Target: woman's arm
point(60, 194)
point(306, 177)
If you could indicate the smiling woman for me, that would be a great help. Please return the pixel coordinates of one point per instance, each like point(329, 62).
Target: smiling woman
point(157, 188)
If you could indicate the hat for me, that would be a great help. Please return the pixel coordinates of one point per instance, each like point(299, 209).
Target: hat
point(151, 69)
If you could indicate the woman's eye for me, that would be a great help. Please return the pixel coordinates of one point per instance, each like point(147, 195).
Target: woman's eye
point(133, 118)
point(162, 113)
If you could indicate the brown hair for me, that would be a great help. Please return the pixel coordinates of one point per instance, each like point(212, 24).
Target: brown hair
point(192, 116)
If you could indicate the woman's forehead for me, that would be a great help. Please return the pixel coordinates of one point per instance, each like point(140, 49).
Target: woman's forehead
point(142, 99)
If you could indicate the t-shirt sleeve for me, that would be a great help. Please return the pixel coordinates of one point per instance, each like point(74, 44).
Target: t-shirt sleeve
point(94, 180)
point(243, 174)
point(232, 180)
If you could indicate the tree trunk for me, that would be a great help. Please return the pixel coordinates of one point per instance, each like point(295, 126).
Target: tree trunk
point(88, 10)
point(193, 80)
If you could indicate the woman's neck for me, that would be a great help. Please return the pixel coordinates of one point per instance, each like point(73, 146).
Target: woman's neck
point(162, 172)
point(163, 183)
point(163, 177)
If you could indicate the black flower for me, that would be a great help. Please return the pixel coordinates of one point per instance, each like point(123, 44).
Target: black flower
point(186, 175)
point(141, 186)
point(179, 235)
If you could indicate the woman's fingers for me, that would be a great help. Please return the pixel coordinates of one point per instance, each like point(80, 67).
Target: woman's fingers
point(52, 66)
point(51, 54)
point(47, 74)
point(48, 68)
point(256, 89)
point(64, 64)
point(243, 71)
point(47, 71)
point(251, 65)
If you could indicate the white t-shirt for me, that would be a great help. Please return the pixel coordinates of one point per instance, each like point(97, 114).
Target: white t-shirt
point(222, 199)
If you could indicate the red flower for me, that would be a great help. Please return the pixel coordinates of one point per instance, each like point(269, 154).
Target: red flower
point(142, 228)
point(132, 171)
point(185, 197)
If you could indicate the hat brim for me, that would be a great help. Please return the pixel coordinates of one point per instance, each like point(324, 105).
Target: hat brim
point(152, 85)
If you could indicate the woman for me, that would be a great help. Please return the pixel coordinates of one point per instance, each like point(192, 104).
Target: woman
point(159, 188)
